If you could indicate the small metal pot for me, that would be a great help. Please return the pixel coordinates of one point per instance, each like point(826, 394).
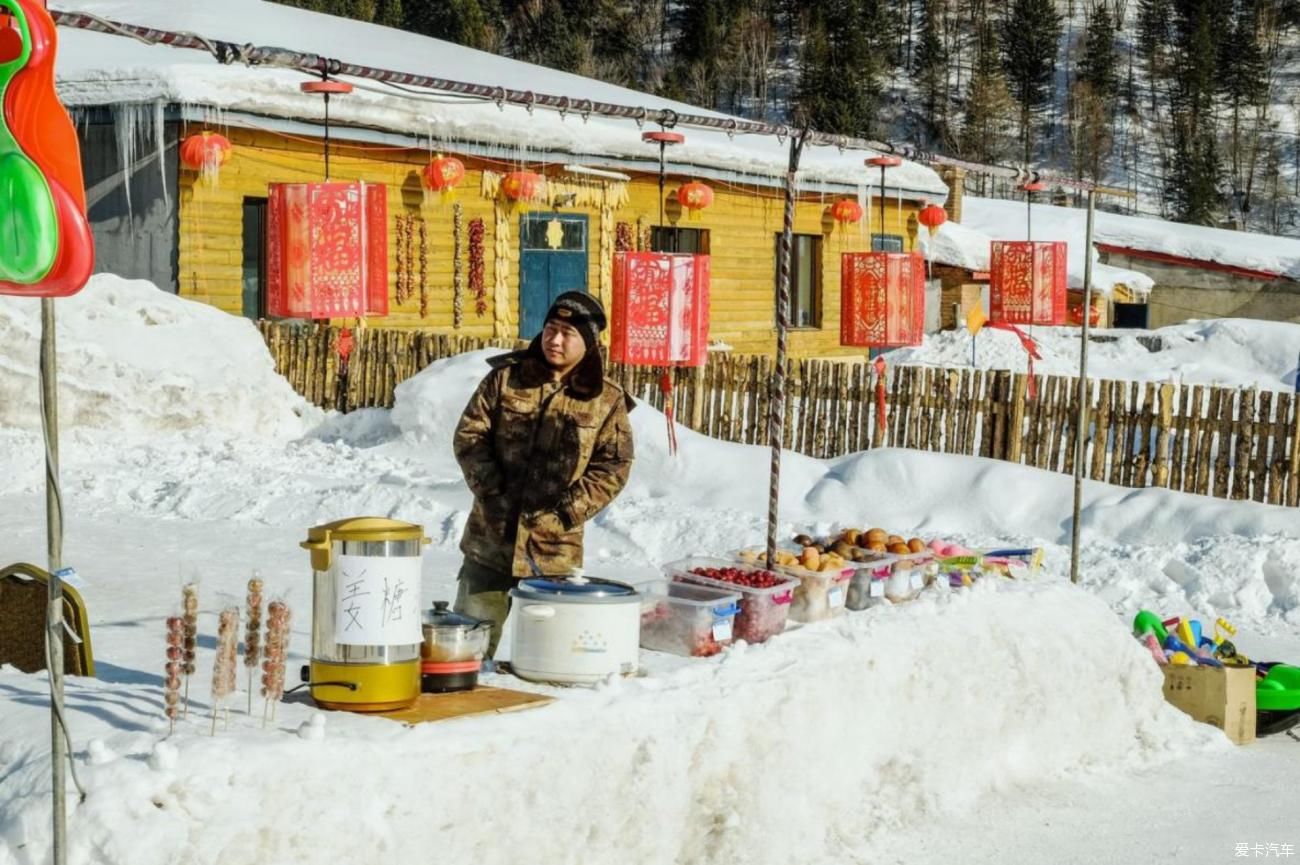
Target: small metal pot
point(453, 649)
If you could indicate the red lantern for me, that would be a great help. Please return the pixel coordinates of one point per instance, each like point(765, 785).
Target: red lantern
point(694, 196)
point(846, 211)
point(327, 250)
point(1076, 314)
point(932, 216)
point(523, 186)
point(205, 153)
point(882, 299)
point(1027, 282)
point(660, 313)
point(443, 173)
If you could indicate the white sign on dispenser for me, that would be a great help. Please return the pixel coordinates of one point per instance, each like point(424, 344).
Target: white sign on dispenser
point(378, 602)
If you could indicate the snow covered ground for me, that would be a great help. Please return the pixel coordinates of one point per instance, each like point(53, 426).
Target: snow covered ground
point(955, 728)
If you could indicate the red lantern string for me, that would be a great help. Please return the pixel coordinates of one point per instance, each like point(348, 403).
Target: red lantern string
point(205, 152)
point(846, 211)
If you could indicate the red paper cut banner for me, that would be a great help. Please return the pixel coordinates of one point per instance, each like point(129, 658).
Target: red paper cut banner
point(1027, 282)
point(882, 299)
point(327, 250)
point(660, 314)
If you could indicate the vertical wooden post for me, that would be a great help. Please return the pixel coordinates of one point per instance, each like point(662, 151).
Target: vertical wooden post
point(1244, 428)
point(1293, 469)
point(776, 419)
point(1261, 441)
point(1101, 433)
point(1162, 435)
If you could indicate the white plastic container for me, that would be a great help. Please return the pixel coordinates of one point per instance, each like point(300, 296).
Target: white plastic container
point(688, 619)
point(763, 611)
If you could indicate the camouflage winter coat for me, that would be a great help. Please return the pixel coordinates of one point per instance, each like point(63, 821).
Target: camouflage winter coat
point(541, 457)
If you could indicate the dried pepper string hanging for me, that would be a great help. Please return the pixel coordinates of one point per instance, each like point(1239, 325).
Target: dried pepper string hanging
point(424, 268)
point(477, 271)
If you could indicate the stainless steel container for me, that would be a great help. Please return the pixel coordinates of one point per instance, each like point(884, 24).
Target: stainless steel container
point(366, 578)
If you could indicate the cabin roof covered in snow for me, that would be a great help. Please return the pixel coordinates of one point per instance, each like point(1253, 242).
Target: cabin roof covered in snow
point(100, 69)
point(961, 245)
point(1258, 255)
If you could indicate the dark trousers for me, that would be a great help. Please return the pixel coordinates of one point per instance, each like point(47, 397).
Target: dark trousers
point(484, 593)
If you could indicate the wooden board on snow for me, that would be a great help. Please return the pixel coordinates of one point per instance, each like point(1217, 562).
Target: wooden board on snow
point(462, 704)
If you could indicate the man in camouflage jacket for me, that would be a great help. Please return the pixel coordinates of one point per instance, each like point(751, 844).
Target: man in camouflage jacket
point(544, 445)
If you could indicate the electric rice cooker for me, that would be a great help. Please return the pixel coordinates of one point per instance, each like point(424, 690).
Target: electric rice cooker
point(574, 631)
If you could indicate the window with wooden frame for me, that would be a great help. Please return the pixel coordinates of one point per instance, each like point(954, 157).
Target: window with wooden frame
point(254, 259)
point(805, 279)
point(664, 238)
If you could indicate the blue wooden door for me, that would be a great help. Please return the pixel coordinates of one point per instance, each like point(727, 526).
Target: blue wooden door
point(552, 260)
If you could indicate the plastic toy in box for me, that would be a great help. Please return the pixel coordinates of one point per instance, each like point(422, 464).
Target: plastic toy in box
point(765, 596)
point(688, 619)
point(1016, 564)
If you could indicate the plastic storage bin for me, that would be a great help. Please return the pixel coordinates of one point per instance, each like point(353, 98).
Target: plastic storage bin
point(820, 595)
point(867, 585)
point(763, 612)
point(688, 619)
point(909, 574)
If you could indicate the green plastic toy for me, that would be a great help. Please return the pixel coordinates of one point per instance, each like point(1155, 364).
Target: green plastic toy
point(1279, 689)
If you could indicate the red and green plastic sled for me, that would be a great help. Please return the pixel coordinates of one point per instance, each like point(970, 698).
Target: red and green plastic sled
point(46, 248)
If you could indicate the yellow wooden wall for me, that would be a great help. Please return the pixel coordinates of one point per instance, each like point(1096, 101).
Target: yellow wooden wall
point(743, 223)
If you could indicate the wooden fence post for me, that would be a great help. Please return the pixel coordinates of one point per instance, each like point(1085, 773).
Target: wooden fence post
point(1162, 436)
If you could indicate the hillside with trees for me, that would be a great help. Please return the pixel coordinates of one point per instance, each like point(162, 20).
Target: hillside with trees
point(1190, 104)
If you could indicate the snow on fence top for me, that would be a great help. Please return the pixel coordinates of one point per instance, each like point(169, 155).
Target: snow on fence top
point(1263, 254)
point(98, 69)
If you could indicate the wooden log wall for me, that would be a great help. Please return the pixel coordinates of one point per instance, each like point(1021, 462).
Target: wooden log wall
point(1238, 444)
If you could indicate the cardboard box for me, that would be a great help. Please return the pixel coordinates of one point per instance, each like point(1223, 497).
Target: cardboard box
point(1223, 697)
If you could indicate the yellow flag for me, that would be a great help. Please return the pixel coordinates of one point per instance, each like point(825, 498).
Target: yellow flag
point(975, 319)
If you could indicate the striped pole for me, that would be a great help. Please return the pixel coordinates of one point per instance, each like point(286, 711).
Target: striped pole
point(776, 401)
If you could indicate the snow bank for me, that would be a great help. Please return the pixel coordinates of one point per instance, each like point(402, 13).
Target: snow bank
point(98, 69)
point(138, 360)
point(811, 748)
point(1227, 352)
point(1263, 252)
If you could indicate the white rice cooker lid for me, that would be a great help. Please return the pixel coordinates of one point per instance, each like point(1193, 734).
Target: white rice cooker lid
point(575, 591)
